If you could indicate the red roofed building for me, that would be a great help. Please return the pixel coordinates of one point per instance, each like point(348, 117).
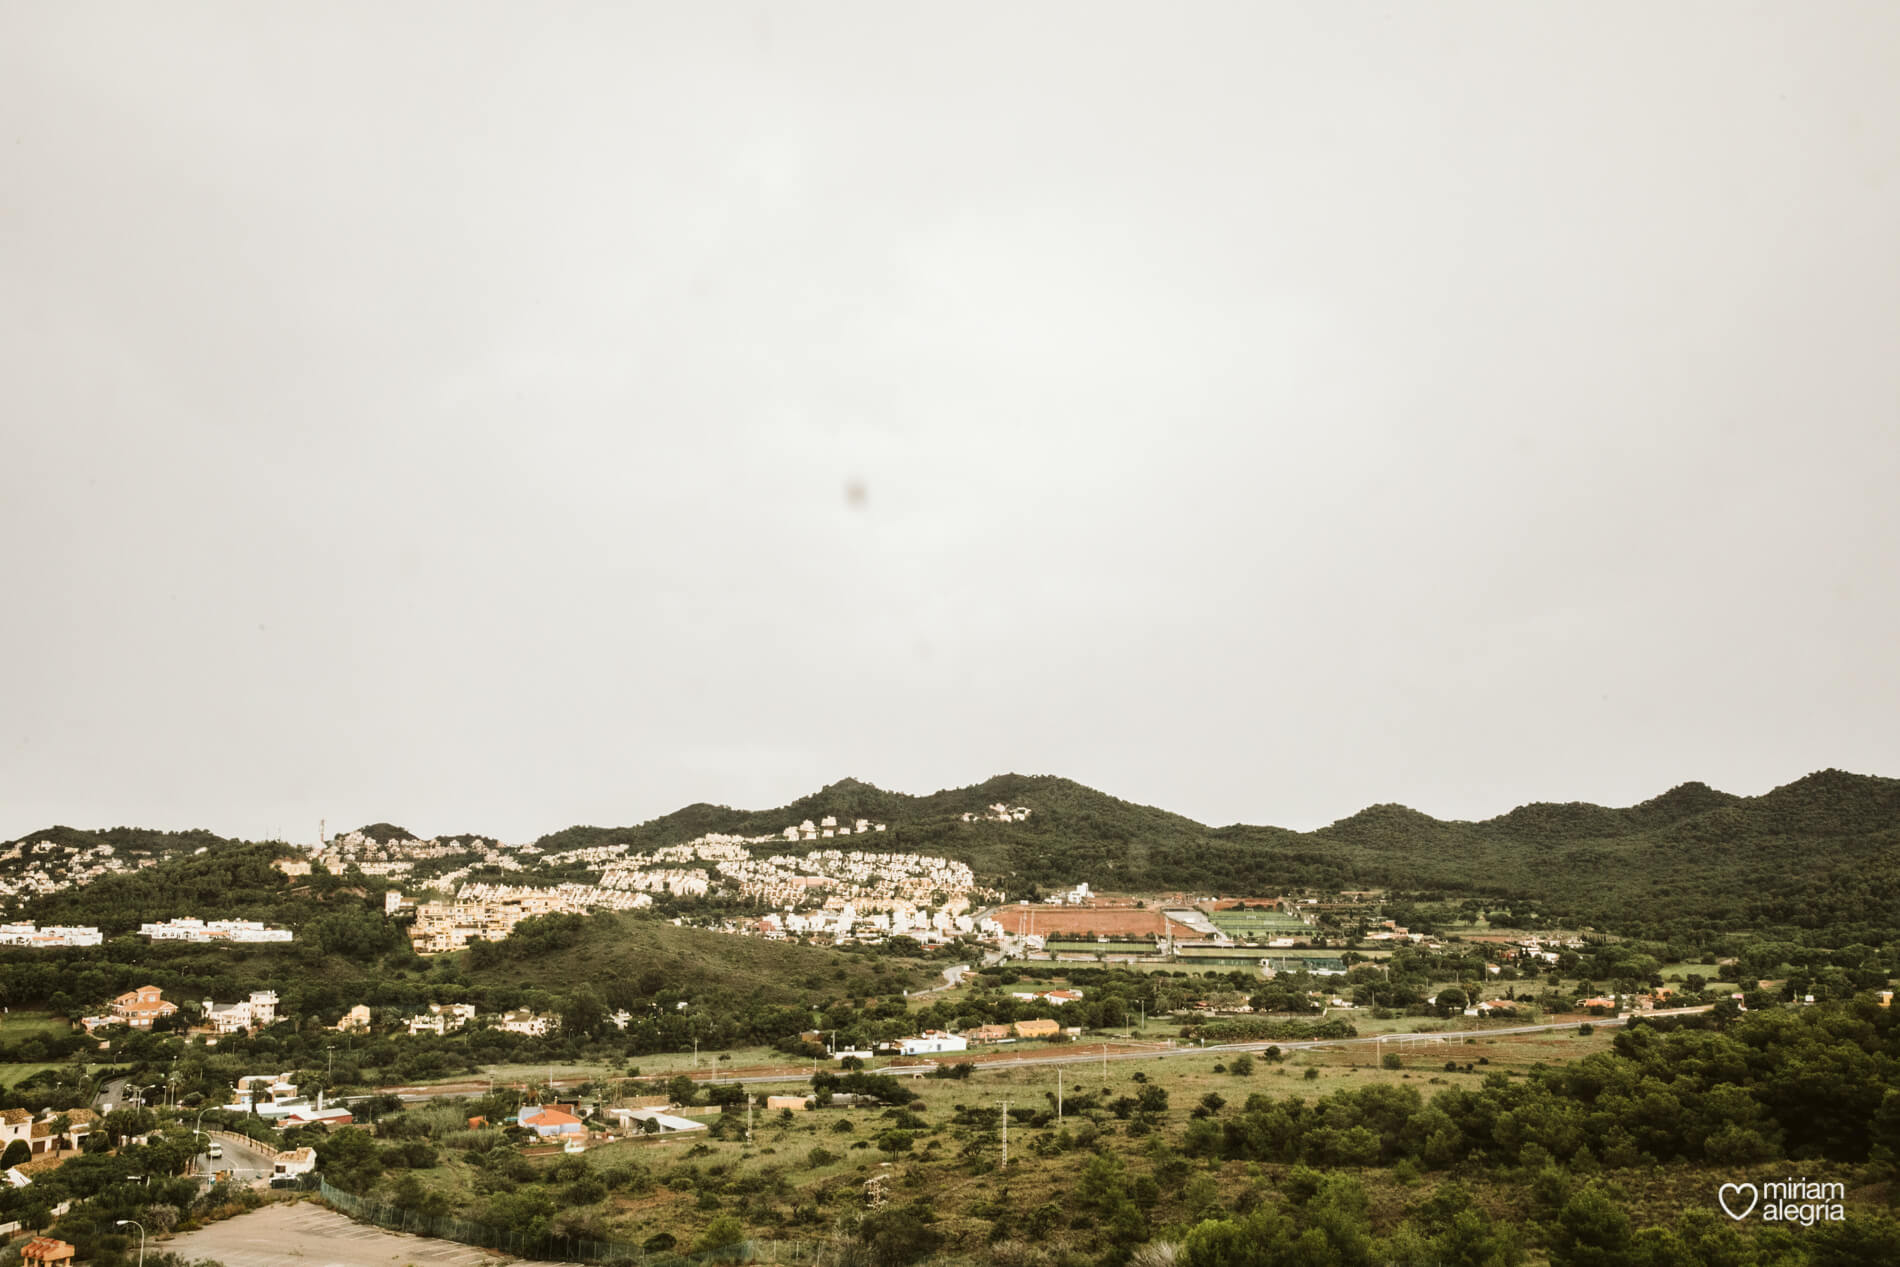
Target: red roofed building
point(44, 1251)
point(139, 1008)
point(545, 1121)
point(987, 1033)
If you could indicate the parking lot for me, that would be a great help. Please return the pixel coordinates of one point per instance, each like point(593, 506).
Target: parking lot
point(305, 1234)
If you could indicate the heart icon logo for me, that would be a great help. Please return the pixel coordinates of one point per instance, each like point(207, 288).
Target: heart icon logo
point(1722, 1195)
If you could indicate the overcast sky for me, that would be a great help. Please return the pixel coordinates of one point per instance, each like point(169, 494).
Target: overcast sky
point(500, 417)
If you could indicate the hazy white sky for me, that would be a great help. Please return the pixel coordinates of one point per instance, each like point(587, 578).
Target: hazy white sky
point(447, 413)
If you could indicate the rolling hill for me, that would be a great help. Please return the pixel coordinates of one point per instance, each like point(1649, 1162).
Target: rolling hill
point(1821, 852)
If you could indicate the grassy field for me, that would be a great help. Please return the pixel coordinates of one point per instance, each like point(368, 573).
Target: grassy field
point(13, 1075)
point(801, 1172)
point(20, 1023)
point(658, 955)
point(1677, 971)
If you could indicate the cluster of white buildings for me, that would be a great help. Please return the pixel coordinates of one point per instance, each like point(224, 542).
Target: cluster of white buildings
point(827, 827)
point(256, 1012)
point(489, 912)
point(47, 866)
point(831, 877)
point(441, 1018)
point(216, 930)
point(866, 881)
point(522, 1021)
point(140, 1008)
point(592, 855)
point(999, 813)
point(275, 1098)
point(680, 882)
point(401, 857)
point(53, 935)
point(834, 894)
point(449, 1018)
point(847, 923)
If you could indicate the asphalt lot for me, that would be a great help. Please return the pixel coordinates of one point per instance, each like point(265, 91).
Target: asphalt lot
point(307, 1235)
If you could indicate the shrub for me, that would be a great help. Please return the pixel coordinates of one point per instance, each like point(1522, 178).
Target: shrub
point(720, 1233)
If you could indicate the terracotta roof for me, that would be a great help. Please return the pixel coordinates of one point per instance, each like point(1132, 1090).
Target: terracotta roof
point(46, 1248)
point(551, 1117)
point(76, 1116)
point(13, 1117)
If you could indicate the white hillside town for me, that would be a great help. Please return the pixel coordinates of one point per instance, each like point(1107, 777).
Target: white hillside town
point(53, 935)
point(227, 931)
point(832, 894)
point(37, 868)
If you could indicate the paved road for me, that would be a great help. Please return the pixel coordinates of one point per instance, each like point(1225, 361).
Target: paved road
point(1097, 1055)
point(111, 1095)
point(307, 1235)
point(952, 978)
point(244, 1159)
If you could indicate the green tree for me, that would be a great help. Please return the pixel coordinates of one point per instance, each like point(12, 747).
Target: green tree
point(1592, 1231)
point(583, 1013)
point(723, 1232)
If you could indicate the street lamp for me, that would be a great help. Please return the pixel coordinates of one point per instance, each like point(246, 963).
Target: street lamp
point(141, 1227)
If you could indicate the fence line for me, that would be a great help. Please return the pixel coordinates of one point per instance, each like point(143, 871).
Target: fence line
point(573, 1249)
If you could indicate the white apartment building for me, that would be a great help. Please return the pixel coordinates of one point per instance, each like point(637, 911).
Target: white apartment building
point(217, 930)
point(255, 1012)
point(50, 936)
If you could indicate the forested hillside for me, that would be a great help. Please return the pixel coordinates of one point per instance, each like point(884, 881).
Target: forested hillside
point(1821, 853)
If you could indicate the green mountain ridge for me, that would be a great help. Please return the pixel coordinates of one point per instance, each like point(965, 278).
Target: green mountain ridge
point(1822, 851)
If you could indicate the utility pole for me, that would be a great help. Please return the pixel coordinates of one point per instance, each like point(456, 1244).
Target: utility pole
point(748, 1117)
point(1058, 1093)
point(1006, 1135)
